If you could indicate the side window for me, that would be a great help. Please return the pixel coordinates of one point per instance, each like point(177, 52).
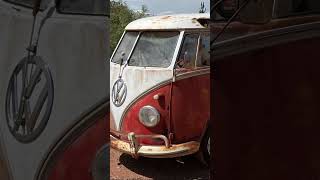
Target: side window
point(203, 59)
point(29, 3)
point(90, 7)
point(187, 56)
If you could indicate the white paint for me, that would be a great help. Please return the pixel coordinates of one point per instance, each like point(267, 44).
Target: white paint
point(138, 80)
point(169, 22)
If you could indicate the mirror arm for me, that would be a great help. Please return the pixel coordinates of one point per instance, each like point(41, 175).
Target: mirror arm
point(215, 6)
point(229, 21)
point(36, 7)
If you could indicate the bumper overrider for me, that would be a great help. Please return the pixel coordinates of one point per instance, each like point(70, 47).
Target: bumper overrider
point(157, 151)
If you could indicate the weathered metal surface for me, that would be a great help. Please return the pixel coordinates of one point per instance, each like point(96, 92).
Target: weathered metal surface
point(153, 86)
point(176, 150)
point(169, 22)
point(133, 135)
point(138, 80)
point(75, 48)
point(131, 123)
point(190, 106)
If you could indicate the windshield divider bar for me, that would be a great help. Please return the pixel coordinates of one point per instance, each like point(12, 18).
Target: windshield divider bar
point(133, 47)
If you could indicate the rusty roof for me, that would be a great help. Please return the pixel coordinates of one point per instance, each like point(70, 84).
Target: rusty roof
point(177, 21)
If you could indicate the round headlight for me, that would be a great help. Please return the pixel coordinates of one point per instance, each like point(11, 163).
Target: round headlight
point(149, 116)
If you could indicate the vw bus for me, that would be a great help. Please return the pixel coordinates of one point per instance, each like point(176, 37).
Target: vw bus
point(160, 90)
point(54, 99)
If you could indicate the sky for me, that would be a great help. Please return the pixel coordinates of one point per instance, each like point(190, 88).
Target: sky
point(161, 7)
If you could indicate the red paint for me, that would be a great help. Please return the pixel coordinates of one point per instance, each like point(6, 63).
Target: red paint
point(267, 113)
point(76, 160)
point(190, 111)
point(131, 121)
point(190, 107)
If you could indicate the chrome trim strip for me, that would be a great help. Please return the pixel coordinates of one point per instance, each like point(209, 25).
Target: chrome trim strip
point(189, 74)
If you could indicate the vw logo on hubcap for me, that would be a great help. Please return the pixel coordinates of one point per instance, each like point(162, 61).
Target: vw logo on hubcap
point(119, 92)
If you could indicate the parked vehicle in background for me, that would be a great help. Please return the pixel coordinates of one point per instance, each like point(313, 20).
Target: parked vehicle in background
point(265, 89)
point(54, 100)
point(160, 90)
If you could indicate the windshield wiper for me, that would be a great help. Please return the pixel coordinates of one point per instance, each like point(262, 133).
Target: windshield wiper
point(121, 62)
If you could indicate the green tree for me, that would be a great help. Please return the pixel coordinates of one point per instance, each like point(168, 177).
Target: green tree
point(142, 13)
point(202, 8)
point(121, 16)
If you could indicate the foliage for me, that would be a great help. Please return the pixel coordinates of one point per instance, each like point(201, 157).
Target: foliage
point(121, 16)
point(202, 8)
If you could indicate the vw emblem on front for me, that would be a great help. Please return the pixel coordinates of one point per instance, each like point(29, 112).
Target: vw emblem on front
point(29, 99)
point(119, 92)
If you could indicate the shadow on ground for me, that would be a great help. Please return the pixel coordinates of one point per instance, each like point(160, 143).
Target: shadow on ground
point(187, 168)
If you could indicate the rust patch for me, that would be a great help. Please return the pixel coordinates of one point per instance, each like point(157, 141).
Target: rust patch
point(121, 146)
point(166, 17)
point(180, 146)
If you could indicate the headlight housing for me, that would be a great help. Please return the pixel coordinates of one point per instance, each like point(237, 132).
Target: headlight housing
point(149, 116)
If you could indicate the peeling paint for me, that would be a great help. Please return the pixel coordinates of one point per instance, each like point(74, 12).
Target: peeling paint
point(181, 21)
point(156, 151)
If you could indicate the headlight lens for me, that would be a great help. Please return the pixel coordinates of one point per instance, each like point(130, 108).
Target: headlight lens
point(149, 116)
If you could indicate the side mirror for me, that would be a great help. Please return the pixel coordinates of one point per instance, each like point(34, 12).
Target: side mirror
point(226, 8)
point(188, 61)
point(36, 7)
point(256, 11)
point(123, 54)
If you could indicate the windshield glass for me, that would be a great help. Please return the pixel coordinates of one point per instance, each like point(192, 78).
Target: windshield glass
point(154, 49)
point(125, 47)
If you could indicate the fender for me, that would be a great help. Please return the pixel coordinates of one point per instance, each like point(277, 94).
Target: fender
point(96, 114)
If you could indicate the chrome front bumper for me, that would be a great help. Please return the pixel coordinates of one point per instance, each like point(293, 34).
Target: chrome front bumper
point(164, 151)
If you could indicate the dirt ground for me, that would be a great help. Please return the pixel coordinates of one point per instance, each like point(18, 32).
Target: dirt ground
point(3, 168)
point(124, 167)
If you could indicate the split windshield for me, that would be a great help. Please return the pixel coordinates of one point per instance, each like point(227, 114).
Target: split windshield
point(153, 49)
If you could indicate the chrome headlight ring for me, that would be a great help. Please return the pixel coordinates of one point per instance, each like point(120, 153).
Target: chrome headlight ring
point(149, 116)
